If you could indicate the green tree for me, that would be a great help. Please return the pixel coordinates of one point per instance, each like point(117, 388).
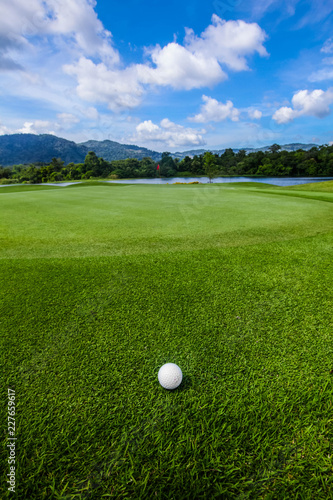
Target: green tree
point(167, 165)
point(210, 167)
point(311, 167)
point(265, 169)
point(240, 169)
point(34, 174)
point(56, 164)
point(274, 148)
point(227, 160)
point(147, 167)
point(56, 176)
point(241, 155)
point(197, 167)
point(87, 175)
point(104, 168)
point(5, 173)
point(92, 164)
point(185, 165)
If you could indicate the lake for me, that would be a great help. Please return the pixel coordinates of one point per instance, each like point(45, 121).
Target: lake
point(277, 181)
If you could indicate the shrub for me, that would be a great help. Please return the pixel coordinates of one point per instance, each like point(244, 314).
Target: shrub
point(185, 174)
point(8, 181)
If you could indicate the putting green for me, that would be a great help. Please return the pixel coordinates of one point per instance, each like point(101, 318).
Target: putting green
point(133, 220)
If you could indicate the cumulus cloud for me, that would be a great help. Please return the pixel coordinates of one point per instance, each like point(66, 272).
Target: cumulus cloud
point(254, 114)
point(315, 103)
point(75, 20)
point(64, 121)
point(98, 83)
point(215, 111)
point(36, 127)
point(229, 42)
point(195, 64)
point(198, 62)
point(284, 115)
point(180, 68)
point(71, 29)
point(4, 130)
point(168, 134)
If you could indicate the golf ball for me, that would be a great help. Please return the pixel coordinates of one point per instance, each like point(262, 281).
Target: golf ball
point(170, 376)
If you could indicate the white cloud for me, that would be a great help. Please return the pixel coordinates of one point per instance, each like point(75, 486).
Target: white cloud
point(325, 73)
point(254, 114)
point(65, 122)
point(316, 10)
point(180, 68)
point(97, 83)
point(229, 42)
point(321, 75)
point(328, 60)
point(284, 115)
point(195, 64)
point(76, 20)
point(67, 118)
point(67, 34)
point(168, 134)
point(36, 127)
point(215, 111)
point(315, 103)
point(90, 113)
point(4, 130)
point(328, 46)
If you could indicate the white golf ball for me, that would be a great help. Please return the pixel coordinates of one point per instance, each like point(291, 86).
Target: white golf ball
point(170, 376)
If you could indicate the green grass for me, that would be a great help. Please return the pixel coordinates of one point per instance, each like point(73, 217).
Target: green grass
point(99, 287)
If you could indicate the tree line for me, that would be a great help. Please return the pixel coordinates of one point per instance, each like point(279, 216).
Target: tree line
point(318, 161)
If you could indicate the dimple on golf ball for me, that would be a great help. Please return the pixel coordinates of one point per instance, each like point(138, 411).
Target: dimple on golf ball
point(170, 376)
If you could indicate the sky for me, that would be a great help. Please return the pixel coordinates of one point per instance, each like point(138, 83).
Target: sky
point(169, 76)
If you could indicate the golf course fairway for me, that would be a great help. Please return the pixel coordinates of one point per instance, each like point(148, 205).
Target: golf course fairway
point(102, 284)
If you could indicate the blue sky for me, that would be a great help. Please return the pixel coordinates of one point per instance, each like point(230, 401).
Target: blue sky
point(170, 76)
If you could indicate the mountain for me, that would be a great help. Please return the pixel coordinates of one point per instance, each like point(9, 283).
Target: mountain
point(285, 147)
point(291, 147)
point(30, 148)
point(110, 150)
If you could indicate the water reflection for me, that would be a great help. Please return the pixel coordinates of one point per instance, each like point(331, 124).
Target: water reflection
point(277, 181)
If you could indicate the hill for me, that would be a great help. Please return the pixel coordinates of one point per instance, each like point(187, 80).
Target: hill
point(30, 148)
point(18, 149)
point(111, 150)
